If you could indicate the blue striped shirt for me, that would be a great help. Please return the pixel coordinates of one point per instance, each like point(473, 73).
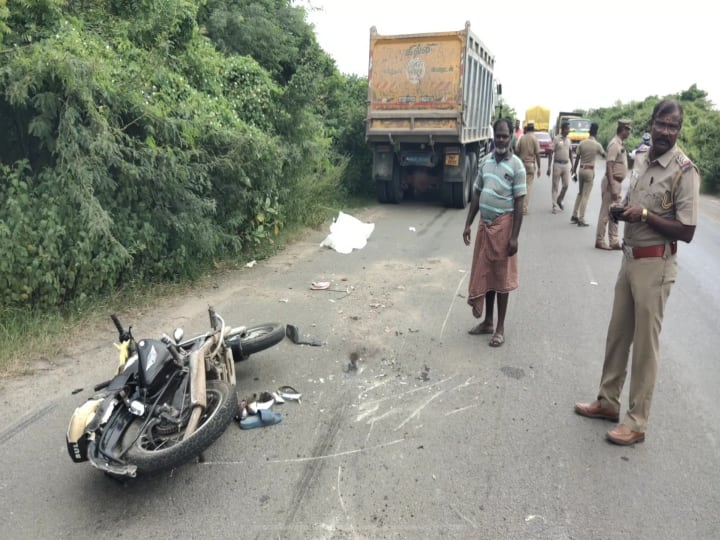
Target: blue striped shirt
point(499, 185)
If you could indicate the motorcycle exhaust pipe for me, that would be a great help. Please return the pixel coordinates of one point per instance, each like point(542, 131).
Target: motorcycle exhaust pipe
point(198, 394)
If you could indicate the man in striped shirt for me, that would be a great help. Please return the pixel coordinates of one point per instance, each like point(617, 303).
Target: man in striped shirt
point(498, 194)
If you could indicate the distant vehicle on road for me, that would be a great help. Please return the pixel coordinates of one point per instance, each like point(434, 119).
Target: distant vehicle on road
point(538, 115)
point(545, 141)
point(579, 127)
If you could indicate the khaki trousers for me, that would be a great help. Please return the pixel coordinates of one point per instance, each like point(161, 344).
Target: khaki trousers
point(586, 179)
point(529, 177)
point(560, 172)
point(609, 195)
point(641, 291)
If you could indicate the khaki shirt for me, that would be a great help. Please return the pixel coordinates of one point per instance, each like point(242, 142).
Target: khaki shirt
point(589, 150)
point(618, 156)
point(528, 148)
point(651, 185)
point(561, 148)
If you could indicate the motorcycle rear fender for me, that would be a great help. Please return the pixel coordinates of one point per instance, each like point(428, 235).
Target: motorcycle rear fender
point(125, 469)
point(77, 437)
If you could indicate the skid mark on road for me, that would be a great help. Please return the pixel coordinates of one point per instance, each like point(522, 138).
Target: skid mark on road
point(314, 465)
point(25, 422)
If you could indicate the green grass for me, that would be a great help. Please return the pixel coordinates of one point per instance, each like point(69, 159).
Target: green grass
point(28, 336)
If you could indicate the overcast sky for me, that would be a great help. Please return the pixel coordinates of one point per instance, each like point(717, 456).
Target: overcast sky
point(559, 54)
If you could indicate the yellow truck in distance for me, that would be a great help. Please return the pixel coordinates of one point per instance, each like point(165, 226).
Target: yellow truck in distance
point(429, 119)
point(538, 115)
point(579, 127)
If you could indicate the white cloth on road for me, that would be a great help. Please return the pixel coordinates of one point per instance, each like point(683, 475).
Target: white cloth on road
point(348, 233)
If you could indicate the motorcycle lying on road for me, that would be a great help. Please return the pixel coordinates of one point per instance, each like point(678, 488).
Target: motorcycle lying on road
point(169, 400)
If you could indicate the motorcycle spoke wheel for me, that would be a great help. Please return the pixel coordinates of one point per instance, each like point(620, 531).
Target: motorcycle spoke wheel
point(156, 451)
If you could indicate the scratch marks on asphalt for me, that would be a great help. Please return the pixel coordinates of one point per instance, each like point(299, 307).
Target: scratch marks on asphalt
point(455, 295)
point(409, 403)
point(9, 433)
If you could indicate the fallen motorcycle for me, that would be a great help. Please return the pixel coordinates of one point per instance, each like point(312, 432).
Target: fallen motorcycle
point(169, 400)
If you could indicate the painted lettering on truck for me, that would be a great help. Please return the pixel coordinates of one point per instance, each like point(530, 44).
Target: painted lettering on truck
point(431, 99)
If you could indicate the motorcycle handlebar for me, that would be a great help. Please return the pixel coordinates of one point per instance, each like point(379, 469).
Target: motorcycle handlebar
point(172, 348)
point(123, 335)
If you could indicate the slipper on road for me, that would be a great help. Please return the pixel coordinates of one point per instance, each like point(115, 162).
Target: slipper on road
point(497, 340)
point(288, 393)
point(264, 417)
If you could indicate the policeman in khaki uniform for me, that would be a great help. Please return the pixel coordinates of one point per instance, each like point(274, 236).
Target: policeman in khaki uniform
point(661, 208)
point(587, 152)
point(528, 150)
point(616, 167)
point(561, 157)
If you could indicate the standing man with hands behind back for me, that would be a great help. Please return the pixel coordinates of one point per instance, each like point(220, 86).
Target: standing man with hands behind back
point(661, 207)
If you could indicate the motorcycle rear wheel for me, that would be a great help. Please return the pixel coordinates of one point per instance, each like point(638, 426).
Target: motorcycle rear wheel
point(255, 339)
point(222, 408)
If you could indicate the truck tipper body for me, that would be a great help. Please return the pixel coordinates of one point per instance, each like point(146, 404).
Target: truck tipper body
point(538, 115)
point(579, 127)
point(429, 119)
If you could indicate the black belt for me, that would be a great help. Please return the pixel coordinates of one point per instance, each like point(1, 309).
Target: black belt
point(562, 161)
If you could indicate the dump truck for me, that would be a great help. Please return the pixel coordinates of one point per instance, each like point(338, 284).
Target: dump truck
point(538, 115)
point(579, 127)
point(431, 98)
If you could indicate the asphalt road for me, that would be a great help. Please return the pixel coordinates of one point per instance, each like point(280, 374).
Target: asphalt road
point(435, 434)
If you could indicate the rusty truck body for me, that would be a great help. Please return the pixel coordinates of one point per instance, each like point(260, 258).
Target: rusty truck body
point(429, 119)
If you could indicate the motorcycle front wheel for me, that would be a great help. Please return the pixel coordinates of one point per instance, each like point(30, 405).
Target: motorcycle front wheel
point(160, 450)
point(255, 339)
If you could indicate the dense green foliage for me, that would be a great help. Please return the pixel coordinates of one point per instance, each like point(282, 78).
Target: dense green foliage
point(145, 140)
point(699, 138)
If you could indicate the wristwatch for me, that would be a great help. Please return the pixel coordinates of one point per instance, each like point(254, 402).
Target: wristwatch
point(643, 216)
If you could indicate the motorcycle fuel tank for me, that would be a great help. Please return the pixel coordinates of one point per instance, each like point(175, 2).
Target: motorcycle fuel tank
point(156, 363)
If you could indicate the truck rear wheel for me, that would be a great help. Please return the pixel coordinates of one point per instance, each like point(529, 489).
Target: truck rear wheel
point(381, 191)
point(393, 187)
point(461, 190)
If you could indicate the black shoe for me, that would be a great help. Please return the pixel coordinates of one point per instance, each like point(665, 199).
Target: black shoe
point(560, 204)
point(573, 219)
point(582, 224)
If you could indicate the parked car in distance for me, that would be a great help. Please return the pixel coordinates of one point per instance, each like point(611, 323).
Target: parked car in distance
point(545, 141)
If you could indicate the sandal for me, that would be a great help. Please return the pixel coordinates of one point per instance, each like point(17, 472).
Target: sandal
point(289, 393)
point(263, 402)
point(497, 340)
point(242, 411)
point(261, 419)
point(481, 328)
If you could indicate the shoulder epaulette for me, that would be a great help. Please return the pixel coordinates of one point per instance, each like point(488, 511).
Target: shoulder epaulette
point(683, 161)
